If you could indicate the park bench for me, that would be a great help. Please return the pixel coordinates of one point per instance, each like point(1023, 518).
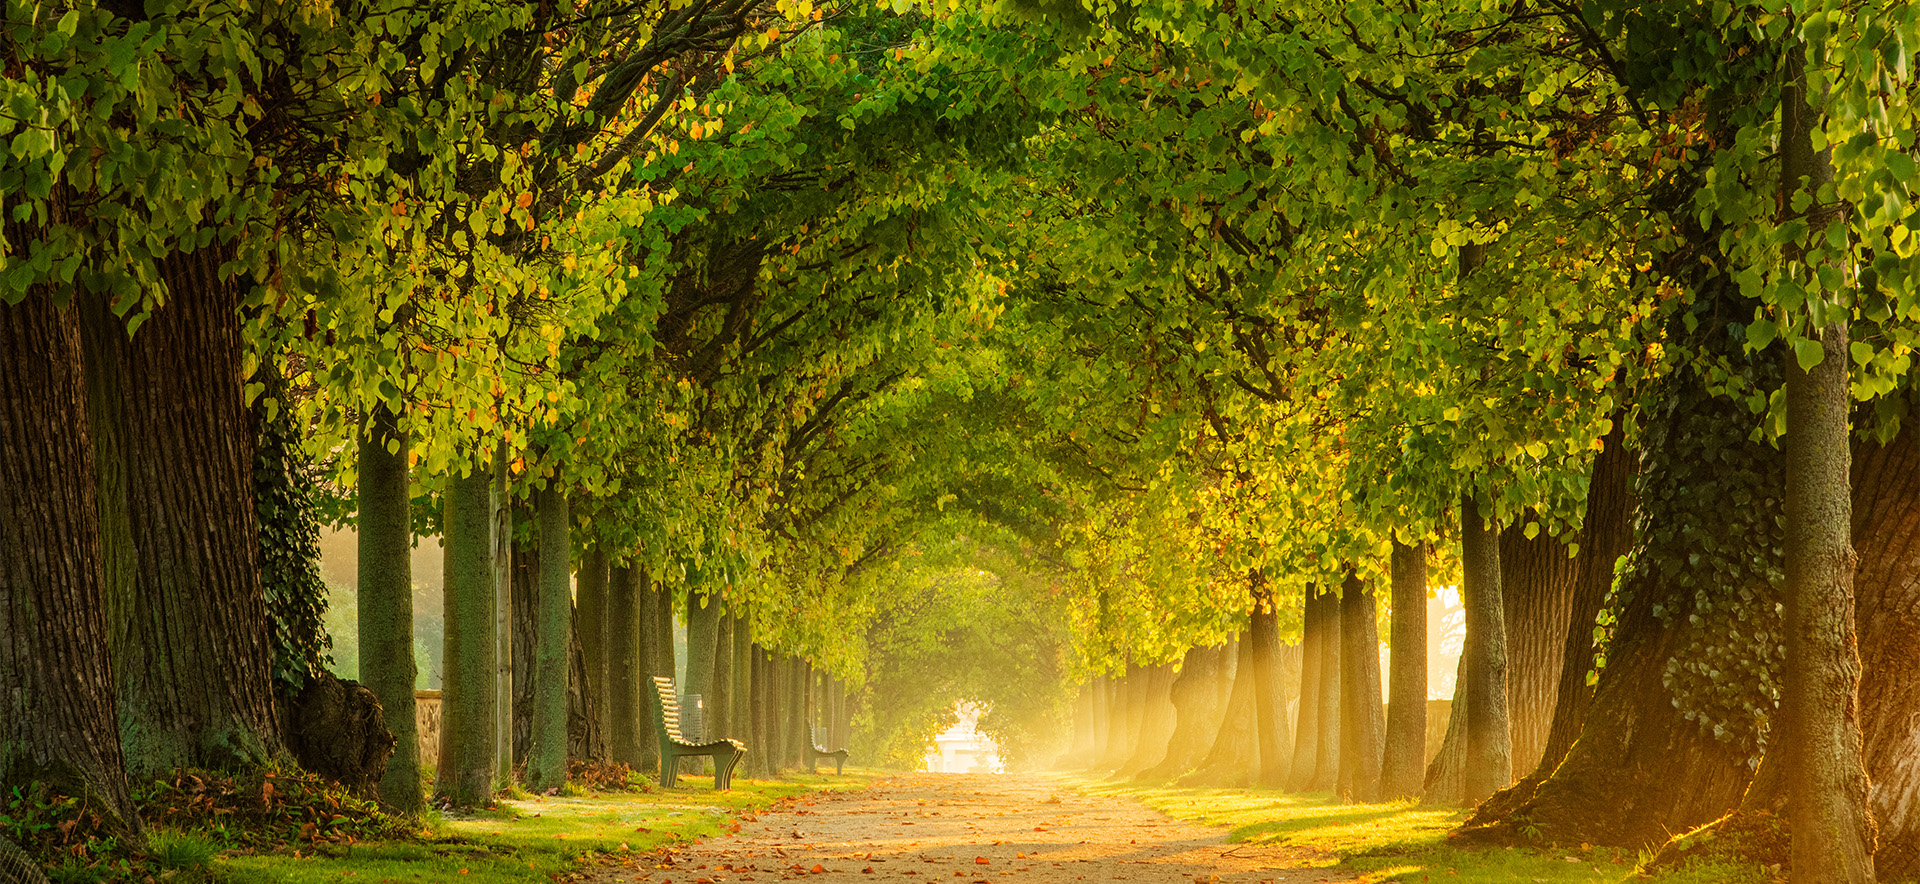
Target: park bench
point(815, 752)
point(673, 747)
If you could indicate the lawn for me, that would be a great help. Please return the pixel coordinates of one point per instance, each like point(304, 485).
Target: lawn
point(533, 838)
point(1398, 841)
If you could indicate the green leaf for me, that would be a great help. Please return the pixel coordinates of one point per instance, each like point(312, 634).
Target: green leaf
point(1808, 352)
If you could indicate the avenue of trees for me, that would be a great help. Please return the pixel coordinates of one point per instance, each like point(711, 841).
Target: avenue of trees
point(1132, 369)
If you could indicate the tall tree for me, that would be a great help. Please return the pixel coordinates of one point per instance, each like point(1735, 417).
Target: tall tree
point(1405, 741)
point(469, 702)
point(385, 611)
point(553, 610)
point(1362, 730)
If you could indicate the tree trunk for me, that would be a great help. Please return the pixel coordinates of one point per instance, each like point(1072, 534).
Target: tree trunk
point(1306, 722)
point(1100, 693)
point(1886, 532)
point(470, 656)
point(1606, 534)
point(1489, 740)
point(766, 727)
point(1326, 768)
point(630, 736)
point(523, 589)
point(800, 678)
point(1363, 740)
point(501, 503)
point(1537, 585)
point(1274, 732)
point(1669, 743)
point(703, 638)
point(657, 625)
point(385, 615)
point(57, 707)
point(1446, 778)
point(1197, 713)
point(586, 734)
point(553, 606)
point(1156, 720)
point(1405, 742)
point(1234, 758)
point(590, 625)
point(720, 690)
point(194, 668)
point(742, 693)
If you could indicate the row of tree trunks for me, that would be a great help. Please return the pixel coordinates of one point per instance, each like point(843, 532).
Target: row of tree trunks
point(1156, 720)
point(1195, 696)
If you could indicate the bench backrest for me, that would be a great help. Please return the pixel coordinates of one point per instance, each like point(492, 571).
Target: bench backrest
point(820, 737)
point(666, 713)
point(693, 719)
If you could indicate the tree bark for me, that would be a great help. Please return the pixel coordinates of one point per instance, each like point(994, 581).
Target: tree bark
point(468, 701)
point(523, 588)
point(1306, 722)
point(1100, 693)
point(1156, 720)
point(1362, 730)
point(1489, 740)
point(1274, 732)
point(1606, 534)
point(194, 671)
point(57, 706)
point(1666, 746)
point(1234, 758)
point(1537, 584)
point(1886, 532)
point(586, 728)
point(1326, 767)
point(630, 736)
point(1405, 741)
point(720, 690)
point(703, 638)
point(1197, 713)
point(501, 503)
point(590, 625)
point(553, 609)
point(385, 614)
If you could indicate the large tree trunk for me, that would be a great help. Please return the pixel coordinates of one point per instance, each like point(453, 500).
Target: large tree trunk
point(1234, 758)
point(1886, 533)
point(590, 627)
point(630, 736)
point(720, 689)
point(1489, 740)
point(1101, 689)
point(501, 504)
point(523, 588)
point(586, 733)
point(1197, 713)
point(194, 667)
point(1362, 731)
point(1537, 584)
point(1405, 741)
point(1606, 534)
point(1306, 722)
point(385, 614)
point(1326, 767)
point(1157, 720)
point(1669, 743)
point(553, 609)
point(57, 707)
point(1274, 731)
point(468, 702)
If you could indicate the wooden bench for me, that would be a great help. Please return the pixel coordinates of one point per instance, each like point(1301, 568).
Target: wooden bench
point(666, 722)
point(815, 752)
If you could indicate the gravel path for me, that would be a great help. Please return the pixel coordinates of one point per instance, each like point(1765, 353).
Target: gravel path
point(973, 829)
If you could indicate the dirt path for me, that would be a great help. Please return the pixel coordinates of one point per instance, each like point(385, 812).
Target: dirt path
point(974, 829)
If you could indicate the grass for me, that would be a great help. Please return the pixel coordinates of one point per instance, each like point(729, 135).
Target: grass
point(533, 838)
point(1397, 841)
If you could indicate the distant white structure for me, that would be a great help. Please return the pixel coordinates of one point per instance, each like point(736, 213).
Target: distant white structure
point(963, 748)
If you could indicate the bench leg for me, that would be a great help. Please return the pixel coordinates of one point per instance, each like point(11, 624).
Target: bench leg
point(723, 765)
point(839, 763)
point(669, 770)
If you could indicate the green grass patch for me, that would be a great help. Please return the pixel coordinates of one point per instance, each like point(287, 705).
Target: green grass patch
point(1395, 841)
point(530, 839)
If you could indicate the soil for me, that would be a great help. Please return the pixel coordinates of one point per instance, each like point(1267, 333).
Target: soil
point(974, 829)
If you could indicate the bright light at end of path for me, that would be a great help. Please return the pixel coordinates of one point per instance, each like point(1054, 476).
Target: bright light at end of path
point(963, 748)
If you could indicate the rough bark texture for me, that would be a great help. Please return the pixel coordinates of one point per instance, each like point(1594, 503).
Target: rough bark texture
point(590, 629)
point(194, 669)
point(338, 730)
point(1271, 726)
point(553, 614)
point(1404, 743)
point(1157, 720)
point(720, 692)
point(385, 614)
point(1489, 740)
point(1696, 599)
point(1235, 756)
point(630, 670)
point(500, 502)
point(524, 630)
point(1537, 584)
point(1606, 534)
point(1446, 778)
point(586, 729)
point(1827, 783)
point(1306, 742)
point(1326, 767)
point(1197, 713)
point(468, 702)
point(1362, 728)
point(57, 723)
point(1886, 534)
